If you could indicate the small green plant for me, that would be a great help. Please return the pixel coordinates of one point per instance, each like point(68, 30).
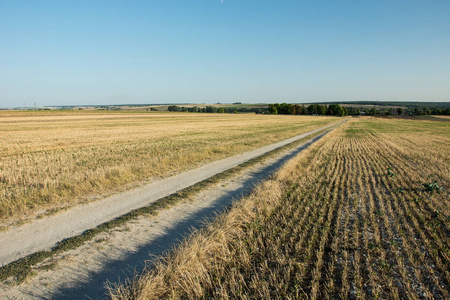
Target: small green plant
point(432, 187)
point(399, 190)
point(372, 246)
point(390, 172)
point(395, 243)
point(416, 200)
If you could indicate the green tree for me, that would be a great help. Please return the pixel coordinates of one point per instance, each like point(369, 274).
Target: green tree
point(210, 109)
point(285, 109)
point(272, 109)
point(321, 109)
point(312, 109)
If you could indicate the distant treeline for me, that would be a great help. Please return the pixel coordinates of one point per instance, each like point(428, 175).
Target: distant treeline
point(332, 109)
point(312, 109)
point(409, 104)
point(410, 111)
point(220, 110)
point(428, 111)
point(337, 110)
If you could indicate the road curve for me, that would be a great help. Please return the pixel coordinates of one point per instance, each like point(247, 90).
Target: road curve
point(43, 234)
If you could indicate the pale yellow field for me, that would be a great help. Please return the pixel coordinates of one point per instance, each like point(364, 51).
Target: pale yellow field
point(54, 159)
point(443, 117)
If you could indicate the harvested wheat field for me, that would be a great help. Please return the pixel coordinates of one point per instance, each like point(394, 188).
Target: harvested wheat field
point(52, 159)
point(362, 214)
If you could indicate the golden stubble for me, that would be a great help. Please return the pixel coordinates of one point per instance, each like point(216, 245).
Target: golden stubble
point(49, 160)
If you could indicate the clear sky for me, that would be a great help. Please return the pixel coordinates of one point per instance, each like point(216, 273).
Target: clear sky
point(206, 51)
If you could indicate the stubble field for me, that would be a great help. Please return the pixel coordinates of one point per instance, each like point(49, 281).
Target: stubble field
point(51, 160)
point(363, 214)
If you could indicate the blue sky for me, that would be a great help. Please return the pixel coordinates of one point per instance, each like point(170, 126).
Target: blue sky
point(207, 51)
